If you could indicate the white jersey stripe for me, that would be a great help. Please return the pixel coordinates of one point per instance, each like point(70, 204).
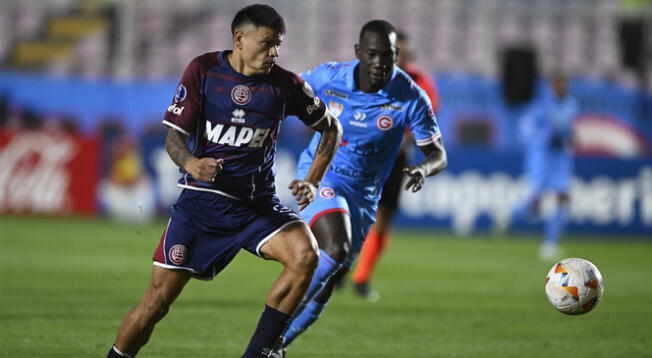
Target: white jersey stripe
point(172, 125)
point(433, 139)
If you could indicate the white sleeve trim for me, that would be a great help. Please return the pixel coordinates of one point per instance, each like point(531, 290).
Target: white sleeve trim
point(172, 125)
point(430, 140)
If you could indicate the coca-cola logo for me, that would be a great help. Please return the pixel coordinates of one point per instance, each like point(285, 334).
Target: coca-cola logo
point(34, 176)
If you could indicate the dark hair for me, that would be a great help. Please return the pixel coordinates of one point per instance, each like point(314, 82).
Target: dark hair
point(259, 15)
point(381, 27)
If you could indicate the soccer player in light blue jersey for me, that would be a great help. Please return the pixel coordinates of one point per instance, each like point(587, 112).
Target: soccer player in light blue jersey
point(547, 137)
point(375, 102)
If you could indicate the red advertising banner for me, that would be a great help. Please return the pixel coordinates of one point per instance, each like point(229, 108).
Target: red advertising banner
point(48, 172)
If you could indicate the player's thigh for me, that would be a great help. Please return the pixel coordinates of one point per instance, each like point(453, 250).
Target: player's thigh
point(294, 243)
point(333, 233)
point(330, 220)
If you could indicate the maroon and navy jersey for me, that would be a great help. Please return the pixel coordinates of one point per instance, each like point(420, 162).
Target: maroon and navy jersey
point(237, 118)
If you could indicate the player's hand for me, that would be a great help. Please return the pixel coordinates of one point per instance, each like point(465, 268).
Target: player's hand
point(417, 177)
point(204, 169)
point(303, 191)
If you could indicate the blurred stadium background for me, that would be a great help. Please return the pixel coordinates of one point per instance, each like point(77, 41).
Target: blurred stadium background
point(84, 85)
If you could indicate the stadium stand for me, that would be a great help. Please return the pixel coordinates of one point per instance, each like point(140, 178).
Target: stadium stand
point(92, 38)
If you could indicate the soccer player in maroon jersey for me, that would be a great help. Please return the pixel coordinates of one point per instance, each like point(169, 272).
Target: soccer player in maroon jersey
point(223, 125)
point(379, 236)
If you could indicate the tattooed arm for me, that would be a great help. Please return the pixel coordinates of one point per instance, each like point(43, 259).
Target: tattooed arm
point(331, 135)
point(204, 169)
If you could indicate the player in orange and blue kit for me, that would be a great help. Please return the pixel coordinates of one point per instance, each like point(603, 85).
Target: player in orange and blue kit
point(375, 101)
point(223, 125)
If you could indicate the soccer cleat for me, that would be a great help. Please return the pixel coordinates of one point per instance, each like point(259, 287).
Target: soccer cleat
point(279, 350)
point(365, 291)
point(549, 252)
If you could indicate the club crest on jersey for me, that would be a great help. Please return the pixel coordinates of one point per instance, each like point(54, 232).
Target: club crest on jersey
point(384, 123)
point(180, 94)
point(178, 254)
point(241, 94)
point(335, 108)
point(327, 193)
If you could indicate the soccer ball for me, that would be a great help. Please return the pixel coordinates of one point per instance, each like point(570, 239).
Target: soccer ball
point(574, 286)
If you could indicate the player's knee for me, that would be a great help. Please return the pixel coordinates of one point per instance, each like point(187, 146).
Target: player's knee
point(156, 308)
point(308, 260)
point(305, 261)
point(338, 251)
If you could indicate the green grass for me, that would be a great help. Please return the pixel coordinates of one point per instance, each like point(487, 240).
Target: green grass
point(65, 285)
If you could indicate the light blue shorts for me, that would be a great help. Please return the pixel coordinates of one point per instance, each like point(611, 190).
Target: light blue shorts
point(332, 197)
point(549, 171)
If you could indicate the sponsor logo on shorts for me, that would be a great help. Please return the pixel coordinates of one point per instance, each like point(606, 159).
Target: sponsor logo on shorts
point(384, 123)
point(180, 94)
point(327, 193)
point(178, 254)
point(241, 94)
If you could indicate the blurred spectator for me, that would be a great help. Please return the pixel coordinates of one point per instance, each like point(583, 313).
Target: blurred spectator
point(125, 190)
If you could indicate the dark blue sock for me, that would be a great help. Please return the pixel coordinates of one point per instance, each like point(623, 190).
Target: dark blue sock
point(270, 326)
point(114, 353)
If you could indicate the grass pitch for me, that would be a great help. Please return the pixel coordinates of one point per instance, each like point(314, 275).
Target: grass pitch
point(66, 284)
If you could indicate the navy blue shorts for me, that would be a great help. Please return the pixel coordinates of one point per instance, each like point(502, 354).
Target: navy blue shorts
point(207, 230)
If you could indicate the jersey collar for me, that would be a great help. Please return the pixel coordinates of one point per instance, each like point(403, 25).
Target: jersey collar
point(225, 63)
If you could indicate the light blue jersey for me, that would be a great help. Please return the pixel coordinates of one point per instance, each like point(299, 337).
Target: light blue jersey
point(373, 127)
point(547, 136)
point(373, 124)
